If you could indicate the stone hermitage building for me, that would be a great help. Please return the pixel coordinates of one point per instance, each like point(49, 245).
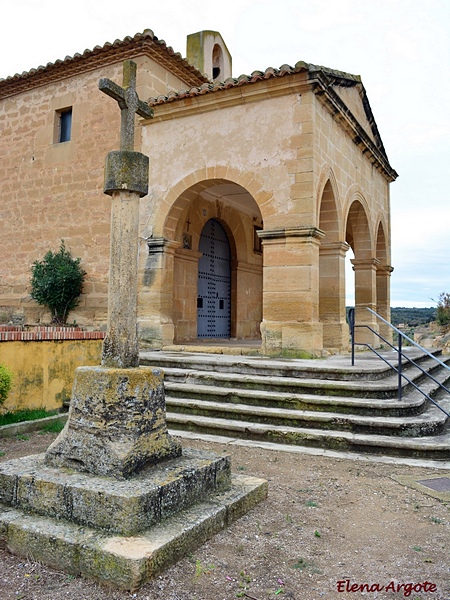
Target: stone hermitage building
point(258, 186)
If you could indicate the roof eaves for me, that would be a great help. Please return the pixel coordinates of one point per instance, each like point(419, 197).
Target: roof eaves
point(89, 59)
point(229, 83)
point(323, 88)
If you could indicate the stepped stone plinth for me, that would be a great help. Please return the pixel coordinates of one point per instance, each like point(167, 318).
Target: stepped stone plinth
point(115, 498)
point(120, 532)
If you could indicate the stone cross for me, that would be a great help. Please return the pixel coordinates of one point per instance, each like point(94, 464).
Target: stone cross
point(129, 103)
point(126, 180)
point(117, 419)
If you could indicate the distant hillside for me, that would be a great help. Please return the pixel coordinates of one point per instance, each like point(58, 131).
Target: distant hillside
point(412, 317)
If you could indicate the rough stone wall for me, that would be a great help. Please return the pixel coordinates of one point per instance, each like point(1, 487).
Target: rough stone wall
point(52, 191)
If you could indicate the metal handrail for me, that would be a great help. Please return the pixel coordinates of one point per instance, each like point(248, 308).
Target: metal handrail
point(398, 368)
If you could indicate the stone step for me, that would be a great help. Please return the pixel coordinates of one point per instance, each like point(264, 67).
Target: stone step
point(110, 504)
point(335, 368)
point(430, 422)
point(123, 561)
point(387, 387)
point(320, 404)
point(414, 404)
point(436, 447)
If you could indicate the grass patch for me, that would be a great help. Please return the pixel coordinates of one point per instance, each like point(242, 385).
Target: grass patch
point(25, 415)
point(55, 427)
point(311, 504)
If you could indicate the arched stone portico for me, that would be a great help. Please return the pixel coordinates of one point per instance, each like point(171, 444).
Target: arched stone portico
point(169, 295)
point(292, 197)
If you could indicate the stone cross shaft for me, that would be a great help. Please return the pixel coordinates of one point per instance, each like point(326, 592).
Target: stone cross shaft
point(126, 181)
point(129, 103)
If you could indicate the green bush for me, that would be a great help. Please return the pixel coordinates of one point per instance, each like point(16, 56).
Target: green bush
point(443, 309)
point(57, 282)
point(5, 383)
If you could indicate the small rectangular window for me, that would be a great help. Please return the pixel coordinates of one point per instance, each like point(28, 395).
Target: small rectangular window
point(64, 128)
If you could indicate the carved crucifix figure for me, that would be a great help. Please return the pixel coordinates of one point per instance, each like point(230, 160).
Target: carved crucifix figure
point(129, 103)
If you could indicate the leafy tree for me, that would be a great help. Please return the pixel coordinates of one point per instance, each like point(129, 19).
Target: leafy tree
point(443, 309)
point(5, 383)
point(57, 282)
point(412, 317)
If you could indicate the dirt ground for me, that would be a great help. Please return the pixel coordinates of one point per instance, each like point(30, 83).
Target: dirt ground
point(329, 526)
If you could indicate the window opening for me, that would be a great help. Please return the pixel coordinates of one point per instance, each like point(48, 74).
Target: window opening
point(217, 60)
point(65, 125)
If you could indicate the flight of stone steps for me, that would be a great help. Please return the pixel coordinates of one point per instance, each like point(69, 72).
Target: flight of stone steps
point(316, 403)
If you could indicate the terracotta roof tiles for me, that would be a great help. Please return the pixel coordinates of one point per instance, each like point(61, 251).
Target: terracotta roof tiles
point(337, 77)
point(146, 42)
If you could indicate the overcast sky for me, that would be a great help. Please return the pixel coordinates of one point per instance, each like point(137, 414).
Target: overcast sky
point(401, 49)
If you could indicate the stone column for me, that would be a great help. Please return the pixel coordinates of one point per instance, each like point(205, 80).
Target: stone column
point(155, 320)
point(384, 299)
point(126, 181)
point(332, 296)
point(365, 297)
point(117, 423)
point(290, 325)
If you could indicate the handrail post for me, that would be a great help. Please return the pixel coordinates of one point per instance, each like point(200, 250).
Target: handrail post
point(351, 322)
point(399, 367)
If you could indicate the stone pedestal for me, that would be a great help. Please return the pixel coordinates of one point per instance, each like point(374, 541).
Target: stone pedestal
point(114, 497)
point(116, 424)
point(120, 532)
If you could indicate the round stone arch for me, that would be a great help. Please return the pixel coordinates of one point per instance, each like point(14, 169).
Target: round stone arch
point(175, 199)
point(329, 209)
point(360, 237)
point(237, 210)
point(332, 252)
point(384, 271)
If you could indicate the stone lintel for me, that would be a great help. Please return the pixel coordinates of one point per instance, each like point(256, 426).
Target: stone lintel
point(116, 425)
point(126, 170)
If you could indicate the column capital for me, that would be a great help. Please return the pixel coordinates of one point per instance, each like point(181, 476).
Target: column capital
point(384, 269)
point(334, 248)
point(361, 264)
point(161, 245)
point(290, 232)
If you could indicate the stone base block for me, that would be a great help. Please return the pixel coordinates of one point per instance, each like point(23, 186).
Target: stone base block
point(122, 507)
point(117, 423)
point(127, 561)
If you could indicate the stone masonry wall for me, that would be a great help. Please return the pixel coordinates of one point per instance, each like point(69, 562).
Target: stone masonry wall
point(52, 191)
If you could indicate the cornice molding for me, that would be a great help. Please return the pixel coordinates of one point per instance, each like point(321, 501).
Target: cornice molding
point(330, 99)
point(290, 232)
